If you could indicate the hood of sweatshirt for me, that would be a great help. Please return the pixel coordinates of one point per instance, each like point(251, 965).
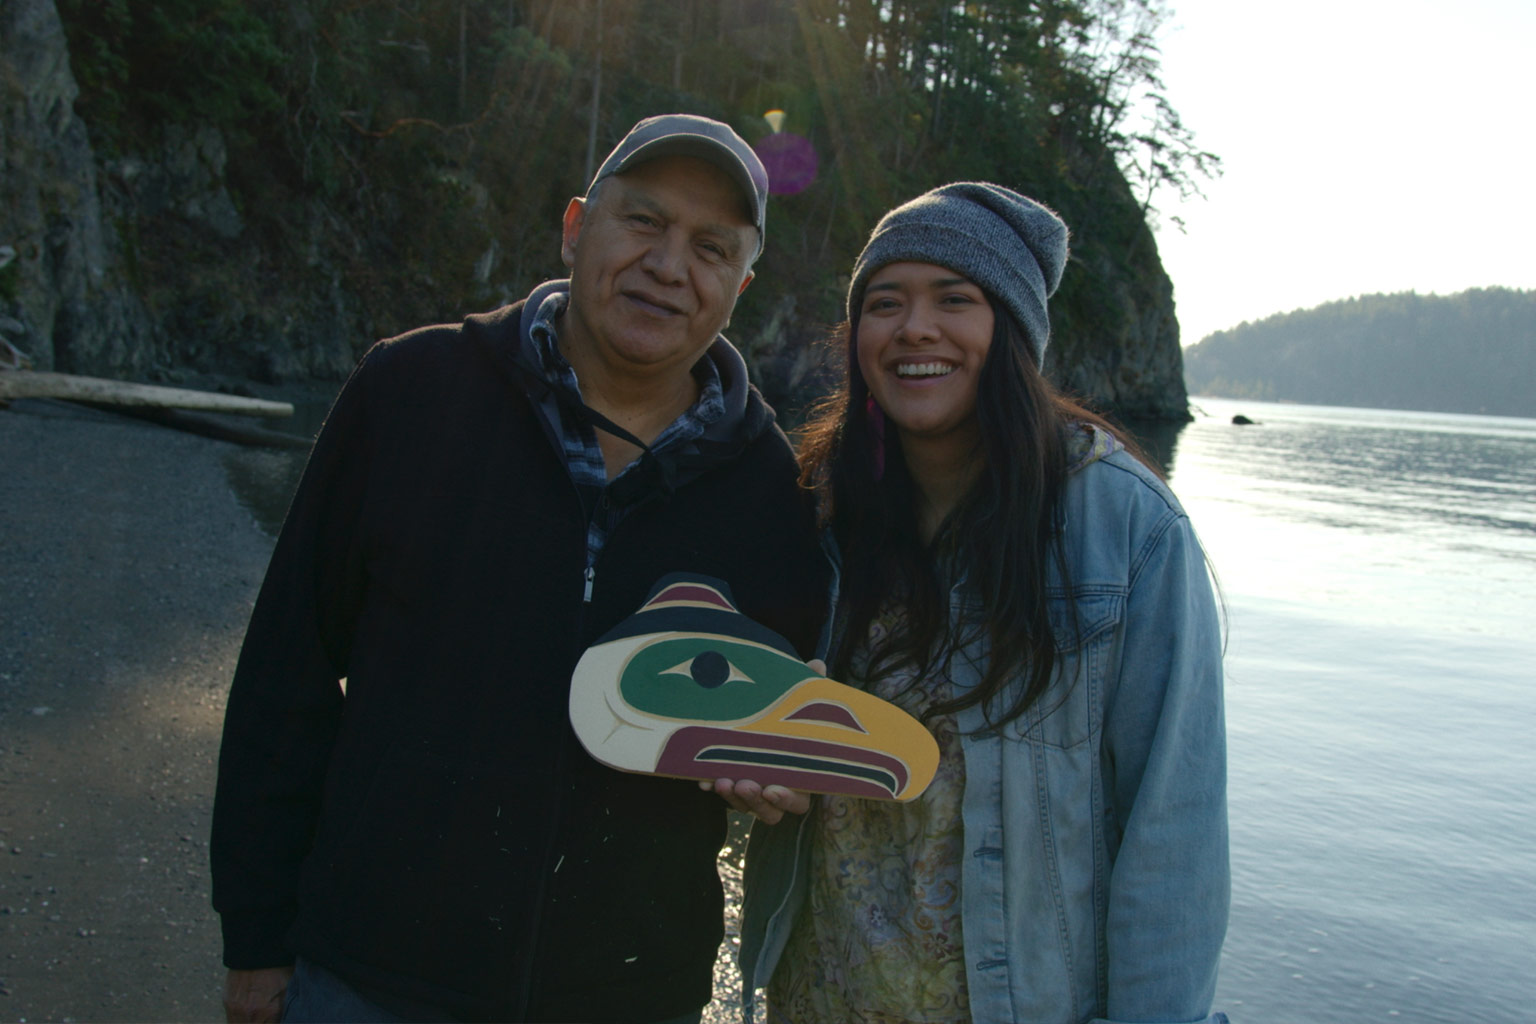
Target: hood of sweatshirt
point(746, 416)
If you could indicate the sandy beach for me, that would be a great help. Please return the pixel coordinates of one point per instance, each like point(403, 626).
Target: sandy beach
point(128, 566)
point(127, 571)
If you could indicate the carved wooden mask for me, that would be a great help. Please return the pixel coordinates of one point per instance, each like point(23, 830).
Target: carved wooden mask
point(690, 687)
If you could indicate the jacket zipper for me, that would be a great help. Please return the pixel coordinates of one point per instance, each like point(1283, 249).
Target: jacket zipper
point(525, 983)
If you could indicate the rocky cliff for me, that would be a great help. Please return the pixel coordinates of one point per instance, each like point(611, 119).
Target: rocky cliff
point(1115, 332)
point(138, 265)
point(177, 254)
point(64, 291)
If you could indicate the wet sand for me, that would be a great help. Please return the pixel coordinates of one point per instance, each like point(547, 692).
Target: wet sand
point(128, 566)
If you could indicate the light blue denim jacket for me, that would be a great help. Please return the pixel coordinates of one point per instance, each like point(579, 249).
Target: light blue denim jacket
point(1095, 881)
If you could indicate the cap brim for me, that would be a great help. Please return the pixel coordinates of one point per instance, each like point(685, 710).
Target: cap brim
point(704, 148)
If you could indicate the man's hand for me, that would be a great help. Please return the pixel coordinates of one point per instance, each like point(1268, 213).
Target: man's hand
point(256, 997)
point(770, 803)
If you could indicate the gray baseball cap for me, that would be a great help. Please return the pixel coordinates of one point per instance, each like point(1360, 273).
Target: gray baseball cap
point(702, 137)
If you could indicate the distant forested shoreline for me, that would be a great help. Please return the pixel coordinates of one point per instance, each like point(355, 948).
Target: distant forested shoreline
point(1472, 352)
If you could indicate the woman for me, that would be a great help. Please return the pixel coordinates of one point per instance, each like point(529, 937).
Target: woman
point(1015, 576)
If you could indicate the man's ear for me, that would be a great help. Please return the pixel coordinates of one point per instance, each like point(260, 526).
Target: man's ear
point(743, 287)
point(570, 229)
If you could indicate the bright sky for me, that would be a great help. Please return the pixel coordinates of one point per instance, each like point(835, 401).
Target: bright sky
point(1367, 146)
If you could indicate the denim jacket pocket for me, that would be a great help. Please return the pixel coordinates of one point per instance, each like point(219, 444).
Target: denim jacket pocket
point(1068, 712)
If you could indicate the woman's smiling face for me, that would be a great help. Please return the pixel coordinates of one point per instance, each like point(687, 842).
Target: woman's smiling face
point(923, 336)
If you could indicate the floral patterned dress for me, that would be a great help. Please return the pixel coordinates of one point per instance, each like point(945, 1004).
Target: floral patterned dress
point(880, 939)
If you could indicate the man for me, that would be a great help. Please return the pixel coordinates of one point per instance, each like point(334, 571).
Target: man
point(402, 806)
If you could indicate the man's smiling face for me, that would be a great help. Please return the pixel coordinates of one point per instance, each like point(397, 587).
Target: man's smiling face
point(658, 256)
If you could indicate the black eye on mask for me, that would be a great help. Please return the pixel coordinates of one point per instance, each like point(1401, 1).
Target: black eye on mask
point(710, 669)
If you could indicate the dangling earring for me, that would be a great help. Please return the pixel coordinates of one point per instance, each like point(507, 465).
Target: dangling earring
point(876, 419)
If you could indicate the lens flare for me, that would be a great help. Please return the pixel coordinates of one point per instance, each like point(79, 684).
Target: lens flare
point(790, 160)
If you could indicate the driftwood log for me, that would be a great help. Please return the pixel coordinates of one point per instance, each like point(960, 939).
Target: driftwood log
point(197, 412)
point(210, 425)
point(98, 391)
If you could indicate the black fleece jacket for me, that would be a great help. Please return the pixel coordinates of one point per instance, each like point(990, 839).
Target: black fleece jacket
point(437, 836)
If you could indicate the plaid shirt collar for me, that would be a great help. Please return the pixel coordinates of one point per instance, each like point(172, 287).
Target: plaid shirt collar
point(578, 440)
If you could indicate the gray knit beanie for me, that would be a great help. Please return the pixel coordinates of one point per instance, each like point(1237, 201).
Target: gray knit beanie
point(1013, 247)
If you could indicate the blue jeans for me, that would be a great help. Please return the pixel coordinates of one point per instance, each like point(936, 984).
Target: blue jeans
point(316, 996)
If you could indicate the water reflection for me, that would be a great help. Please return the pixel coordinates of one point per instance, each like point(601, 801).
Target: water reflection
point(1428, 474)
point(1377, 569)
point(1159, 439)
point(264, 479)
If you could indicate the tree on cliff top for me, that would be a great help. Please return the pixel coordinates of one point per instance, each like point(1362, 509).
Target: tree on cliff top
point(442, 139)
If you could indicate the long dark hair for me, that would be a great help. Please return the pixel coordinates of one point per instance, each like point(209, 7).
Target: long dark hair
point(1001, 537)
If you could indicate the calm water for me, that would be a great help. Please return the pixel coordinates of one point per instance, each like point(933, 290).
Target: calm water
point(1379, 570)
